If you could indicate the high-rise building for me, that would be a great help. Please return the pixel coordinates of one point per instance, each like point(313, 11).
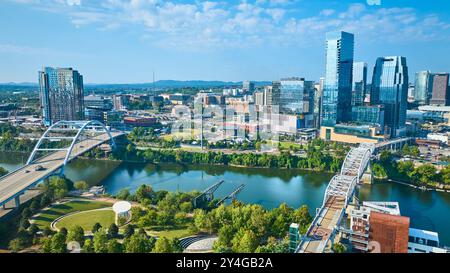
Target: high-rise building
point(61, 94)
point(273, 97)
point(359, 83)
point(259, 98)
point(422, 88)
point(248, 87)
point(337, 94)
point(296, 96)
point(318, 93)
point(439, 87)
point(390, 89)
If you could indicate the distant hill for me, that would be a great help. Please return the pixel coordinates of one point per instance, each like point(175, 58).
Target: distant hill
point(176, 84)
point(157, 84)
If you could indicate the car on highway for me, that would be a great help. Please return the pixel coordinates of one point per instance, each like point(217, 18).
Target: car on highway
point(39, 168)
point(27, 171)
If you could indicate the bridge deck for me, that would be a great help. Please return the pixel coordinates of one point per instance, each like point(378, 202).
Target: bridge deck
point(325, 223)
point(26, 176)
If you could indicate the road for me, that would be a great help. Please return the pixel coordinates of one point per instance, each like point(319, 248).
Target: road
point(21, 179)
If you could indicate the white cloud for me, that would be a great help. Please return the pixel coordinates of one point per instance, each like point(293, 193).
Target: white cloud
point(214, 24)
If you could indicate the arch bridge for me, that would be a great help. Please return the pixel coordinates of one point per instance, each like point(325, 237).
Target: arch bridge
point(60, 143)
point(338, 194)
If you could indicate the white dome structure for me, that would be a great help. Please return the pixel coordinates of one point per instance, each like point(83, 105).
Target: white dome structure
point(122, 210)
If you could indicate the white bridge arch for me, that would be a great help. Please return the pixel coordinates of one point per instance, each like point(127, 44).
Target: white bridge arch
point(77, 128)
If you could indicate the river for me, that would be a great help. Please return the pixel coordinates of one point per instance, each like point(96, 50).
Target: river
point(267, 187)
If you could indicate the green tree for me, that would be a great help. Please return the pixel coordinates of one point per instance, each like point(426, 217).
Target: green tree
point(88, 246)
point(425, 174)
point(96, 227)
point(163, 245)
point(46, 245)
point(58, 244)
point(138, 243)
point(100, 241)
point(81, 185)
point(339, 248)
point(3, 171)
point(143, 192)
point(114, 247)
point(123, 194)
point(76, 233)
point(113, 231)
point(129, 231)
point(245, 241)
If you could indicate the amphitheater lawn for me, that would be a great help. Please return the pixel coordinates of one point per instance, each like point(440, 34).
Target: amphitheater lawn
point(48, 216)
point(87, 219)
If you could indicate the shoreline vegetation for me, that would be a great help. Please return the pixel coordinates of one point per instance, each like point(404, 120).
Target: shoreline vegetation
point(316, 159)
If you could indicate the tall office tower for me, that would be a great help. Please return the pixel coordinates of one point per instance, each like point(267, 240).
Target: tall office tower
point(337, 94)
point(248, 87)
point(61, 94)
point(296, 96)
point(258, 98)
point(422, 88)
point(439, 89)
point(274, 94)
point(268, 95)
point(318, 92)
point(390, 88)
point(359, 83)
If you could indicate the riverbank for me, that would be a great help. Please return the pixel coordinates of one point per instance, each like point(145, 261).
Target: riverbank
point(423, 188)
point(202, 164)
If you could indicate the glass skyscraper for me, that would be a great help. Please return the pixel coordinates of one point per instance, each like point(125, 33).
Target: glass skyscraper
point(422, 88)
point(337, 93)
point(296, 96)
point(61, 94)
point(390, 89)
point(359, 83)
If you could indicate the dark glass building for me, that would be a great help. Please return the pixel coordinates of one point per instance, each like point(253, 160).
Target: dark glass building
point(359, 83)
point(390, 89)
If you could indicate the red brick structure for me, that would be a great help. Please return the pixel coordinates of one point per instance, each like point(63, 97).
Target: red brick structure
point(390, 231)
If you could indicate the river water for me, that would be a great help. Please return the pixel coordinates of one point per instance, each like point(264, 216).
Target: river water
point(268, 187)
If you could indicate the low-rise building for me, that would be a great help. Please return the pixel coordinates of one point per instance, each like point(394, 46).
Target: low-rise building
point(131, 122)
point(424, 241)
point(352, 133)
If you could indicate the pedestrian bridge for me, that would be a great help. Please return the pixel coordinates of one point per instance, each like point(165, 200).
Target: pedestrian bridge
point(61, 143)
point(338, 194)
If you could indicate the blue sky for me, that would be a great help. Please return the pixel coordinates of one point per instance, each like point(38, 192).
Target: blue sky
point(124, 41)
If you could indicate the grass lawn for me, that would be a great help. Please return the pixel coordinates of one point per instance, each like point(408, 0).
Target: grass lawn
point(47, 217)
point(87, 219)
point(289, 145)
point(170, 233)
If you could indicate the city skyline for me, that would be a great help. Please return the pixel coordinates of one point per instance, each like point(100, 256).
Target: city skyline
point(125, 42)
